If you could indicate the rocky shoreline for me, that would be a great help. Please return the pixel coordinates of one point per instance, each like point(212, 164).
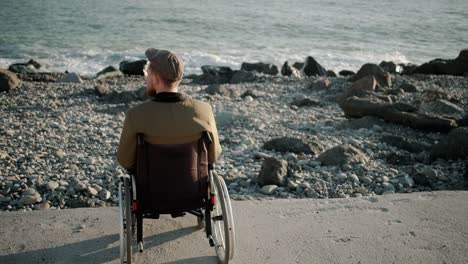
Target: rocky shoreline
point(290, 136)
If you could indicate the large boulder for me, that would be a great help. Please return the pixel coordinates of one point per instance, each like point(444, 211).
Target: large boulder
point(214, 74)
point(132, 67)
point(41, 76)
point(313, 68)
point(408, 88)
point(363, 87)
point(453, 146)
point(457, 67)
point(273, 172)
point(287, 70)
point(369, 69)
point(346, 73)
point(109, 71)
point(391, 67)
point(405, 144)
point(29, 67)
point(288, 144)
point(341, 155)
point(443, 108)
point(260, 67)
point(398, 113)
point(8, 80)
point(244, 76)
point(298, 65)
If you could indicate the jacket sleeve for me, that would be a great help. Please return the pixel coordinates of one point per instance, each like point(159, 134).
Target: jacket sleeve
point(214, 150)
point(126, 152)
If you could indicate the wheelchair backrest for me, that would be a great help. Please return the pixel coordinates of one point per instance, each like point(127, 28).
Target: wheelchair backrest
point(171, 177)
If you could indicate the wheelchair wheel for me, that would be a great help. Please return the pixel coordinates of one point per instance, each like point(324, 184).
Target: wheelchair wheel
point(222, 221)
point(126, 218)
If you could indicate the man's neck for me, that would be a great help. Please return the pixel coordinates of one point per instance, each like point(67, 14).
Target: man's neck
point(169, 90)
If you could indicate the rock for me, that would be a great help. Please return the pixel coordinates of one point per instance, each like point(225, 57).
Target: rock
point(400, 159)
point(342, 176)
point(29, 67)
point(301, 101)
point(320, 84)
point(70, 78)
point(313, 68)
point(430, 172)
point(243, 76)
point(92, 191)
point(260, 67)
point(391, 67)
point(104, 194)
point(342, 154)
point(268, 189)
point(406, 181)
point(422, 180)
point(52, 185)
point(298, 65)
point(366, 122)
point(214, 74)
point(354, 178)
point(287, 70)
point(30, 196)
point(249, 93)
point(405, 143)
point(456, 67)
point(463, 122)
point(444, 108)
point(363, 87)
point(77, 202)
point(41, 76)
point(383, 78)
point(288, 144)
point(453, 146)
point(42, 206)
point(408, 88)
point(398, 113)
point(331, 73)
point(8, 80)
point(224, 119)
point(221, 89)
point(346, 73)
point(273, 171)
point(102, 89)
point(108, 69)
point(132, 67)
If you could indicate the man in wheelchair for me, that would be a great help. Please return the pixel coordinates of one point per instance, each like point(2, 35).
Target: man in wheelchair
point(169, 144)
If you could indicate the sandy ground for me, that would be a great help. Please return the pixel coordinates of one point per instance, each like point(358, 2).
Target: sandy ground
point(401, 228)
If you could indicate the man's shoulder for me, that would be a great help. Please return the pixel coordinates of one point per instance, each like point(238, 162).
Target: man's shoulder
point(139, 107)
point(198, 104)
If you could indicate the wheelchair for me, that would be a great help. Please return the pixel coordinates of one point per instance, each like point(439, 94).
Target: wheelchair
point(175, 179)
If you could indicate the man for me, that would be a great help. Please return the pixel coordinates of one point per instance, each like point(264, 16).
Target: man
point(169, 117)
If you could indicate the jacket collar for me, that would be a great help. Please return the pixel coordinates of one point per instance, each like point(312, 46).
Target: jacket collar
point(169, 97)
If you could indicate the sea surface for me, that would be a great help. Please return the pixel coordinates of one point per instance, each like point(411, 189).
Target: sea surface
point(87, 35)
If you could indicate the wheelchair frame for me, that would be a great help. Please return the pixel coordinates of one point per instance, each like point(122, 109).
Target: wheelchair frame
point(216, 209)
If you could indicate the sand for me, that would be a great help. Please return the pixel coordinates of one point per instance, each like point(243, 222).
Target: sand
point(429, 227)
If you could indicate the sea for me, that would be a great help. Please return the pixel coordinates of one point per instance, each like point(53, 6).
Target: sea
point(85, 36)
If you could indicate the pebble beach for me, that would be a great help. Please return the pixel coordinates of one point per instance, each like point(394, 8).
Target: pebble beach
point(59, 138)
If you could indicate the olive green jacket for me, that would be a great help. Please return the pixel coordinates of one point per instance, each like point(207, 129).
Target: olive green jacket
point(168, 118)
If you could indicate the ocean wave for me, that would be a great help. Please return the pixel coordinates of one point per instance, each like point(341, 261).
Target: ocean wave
point(90, 61)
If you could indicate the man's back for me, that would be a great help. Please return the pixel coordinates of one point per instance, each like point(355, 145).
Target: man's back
point(168, 118)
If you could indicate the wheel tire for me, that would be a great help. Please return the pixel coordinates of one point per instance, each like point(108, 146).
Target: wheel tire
point(122, 225)
point(223, 241)
point(128, 221)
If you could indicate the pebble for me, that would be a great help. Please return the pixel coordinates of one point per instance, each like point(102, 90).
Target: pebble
point(52, 185)
point(92, 191)
point(269, 189)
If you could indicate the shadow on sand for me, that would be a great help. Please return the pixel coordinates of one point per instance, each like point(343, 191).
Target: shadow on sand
point(97, 251)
